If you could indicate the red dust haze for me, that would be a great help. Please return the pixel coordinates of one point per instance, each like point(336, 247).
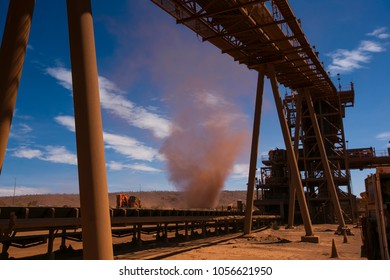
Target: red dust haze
point(207, 136)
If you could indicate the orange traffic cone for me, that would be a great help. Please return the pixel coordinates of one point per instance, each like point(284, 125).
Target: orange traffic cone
point(345, 237)
point(334, 253)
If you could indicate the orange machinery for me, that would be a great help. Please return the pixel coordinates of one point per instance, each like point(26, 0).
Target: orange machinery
point(124, 200)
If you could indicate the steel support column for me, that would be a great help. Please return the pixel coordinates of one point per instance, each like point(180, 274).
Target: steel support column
point(12, 53)
point(254, 151)
point(297, 129)
point(295, 176)
point(95, 218)
point(380, 216)
point(324, 159)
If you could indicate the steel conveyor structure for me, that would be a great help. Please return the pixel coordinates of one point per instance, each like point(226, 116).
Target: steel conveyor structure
point(264, 35)
point(24, 227)
point(255, 33)
point(267, 37)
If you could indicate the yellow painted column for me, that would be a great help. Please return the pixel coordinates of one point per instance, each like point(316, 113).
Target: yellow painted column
point(95, 217)
point(12, 53)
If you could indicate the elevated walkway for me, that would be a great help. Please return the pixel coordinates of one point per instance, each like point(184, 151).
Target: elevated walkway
point(364, 158)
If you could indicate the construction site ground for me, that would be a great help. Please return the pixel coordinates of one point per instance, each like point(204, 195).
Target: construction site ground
point(269, 243)
point(280, 244)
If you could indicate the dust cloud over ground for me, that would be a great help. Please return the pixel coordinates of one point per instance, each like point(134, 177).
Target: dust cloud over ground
point(207, 136)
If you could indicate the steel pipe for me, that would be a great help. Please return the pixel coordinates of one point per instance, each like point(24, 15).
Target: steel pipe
point(254, 151)
point(95, 218)
point(12, 53)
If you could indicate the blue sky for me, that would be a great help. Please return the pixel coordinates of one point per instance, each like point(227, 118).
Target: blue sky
point(152, 70)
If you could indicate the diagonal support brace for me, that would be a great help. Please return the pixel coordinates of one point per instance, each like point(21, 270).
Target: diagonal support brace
point(295, 175)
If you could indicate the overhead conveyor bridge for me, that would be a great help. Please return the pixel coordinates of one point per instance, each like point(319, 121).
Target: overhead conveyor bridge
point(255, 33)
point(25, 227)
point(267, 37)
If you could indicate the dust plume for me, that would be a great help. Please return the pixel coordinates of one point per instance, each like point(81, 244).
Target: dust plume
point(207, 136)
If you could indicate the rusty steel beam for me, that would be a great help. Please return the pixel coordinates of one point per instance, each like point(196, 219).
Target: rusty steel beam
point(39, 224)
point(215, 13)
point(203, 18)
point(324, 160)
point(292, 188)
point(254, 151)
point(295, 175)
point(258, 44)
point(380, 209)
point(12, 53)
point(279, 53)
point(254, 63)
point(97, 240)
point(259, 26)
point(287, 12)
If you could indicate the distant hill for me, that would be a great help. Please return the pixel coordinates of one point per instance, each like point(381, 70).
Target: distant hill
point(155, 199)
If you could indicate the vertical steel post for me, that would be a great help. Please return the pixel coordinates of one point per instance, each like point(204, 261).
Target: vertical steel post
point(254, 151)
point(186, 231)
point(380, 215)
point(324, 159)
point(95, 217)
point(296, 180)
point(298, 116)
point(345, 148)
point(50, 244)
point(12, 53)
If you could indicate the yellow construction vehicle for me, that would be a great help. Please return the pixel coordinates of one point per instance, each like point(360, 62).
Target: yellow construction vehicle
point(126, 201)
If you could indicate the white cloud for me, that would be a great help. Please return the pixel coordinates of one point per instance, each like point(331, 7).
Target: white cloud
point(112, 100)
point(265, 153)
point(27, 153)
point(59, 155)
point(127, 146)
point(21, 190)
point(370, 46)
point(116, 166)
point(130, 147)
point(24, 128)
point(62, 75)
point(211, 98)
point(67, 121)
point(383, 136)
point(56, 154)
point(380, 33)
point(240, 170)
point(21, 132)
point(346, 61)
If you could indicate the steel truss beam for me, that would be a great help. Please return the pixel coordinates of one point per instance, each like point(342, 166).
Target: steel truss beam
point(202, 14)
point(324, 160)
point(242, 32)
point(233, 33)
point(292, 187)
